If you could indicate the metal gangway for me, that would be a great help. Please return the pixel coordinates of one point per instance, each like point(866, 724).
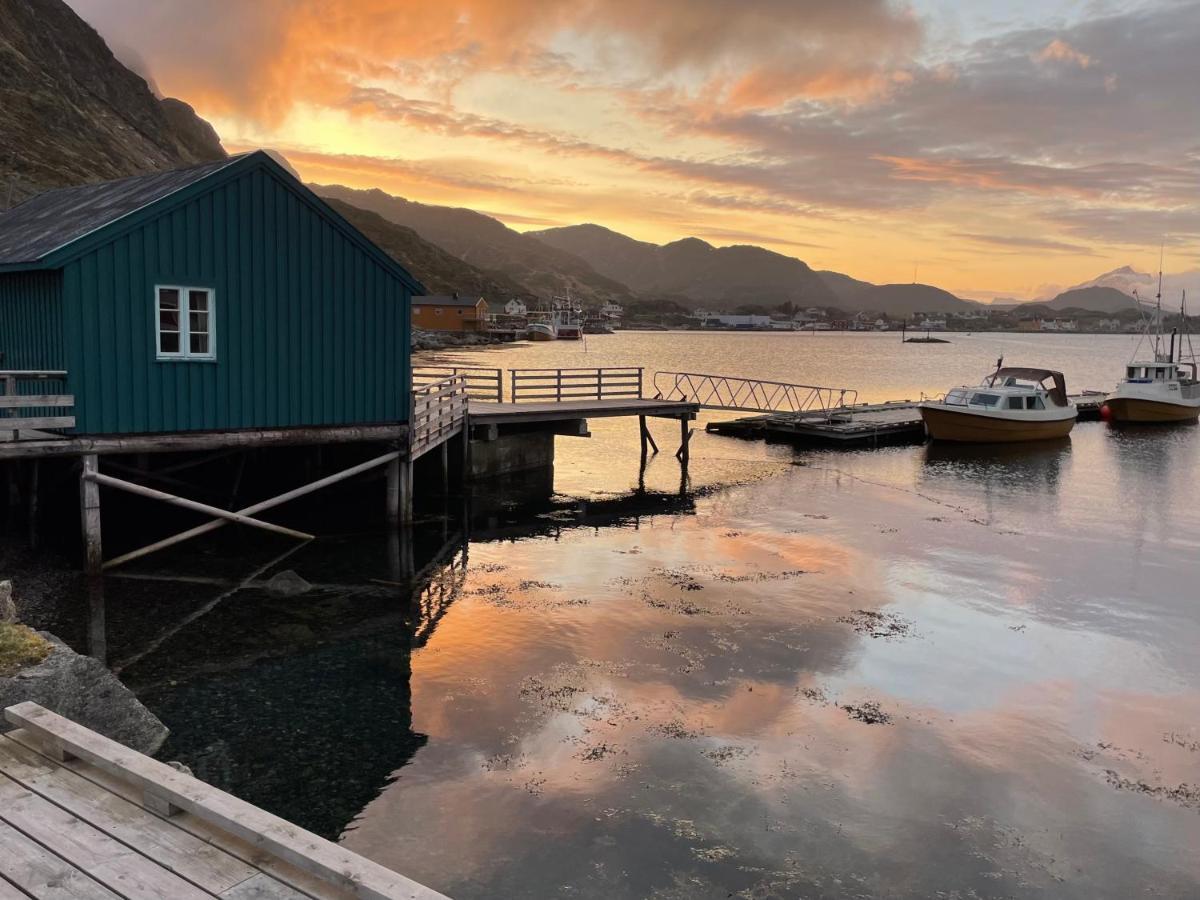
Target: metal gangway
point(751, 394)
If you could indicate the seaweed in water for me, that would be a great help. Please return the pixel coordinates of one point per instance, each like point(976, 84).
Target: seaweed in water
point(877, 624)
point(869, 712)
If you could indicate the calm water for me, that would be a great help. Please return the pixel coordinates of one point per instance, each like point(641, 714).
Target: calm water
point(905, 673)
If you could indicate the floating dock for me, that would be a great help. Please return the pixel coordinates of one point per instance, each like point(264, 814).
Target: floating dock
point(83, 816)
point(867, 424)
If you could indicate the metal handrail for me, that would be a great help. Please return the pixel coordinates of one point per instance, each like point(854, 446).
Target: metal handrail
point(577, 383)
point(749, 394)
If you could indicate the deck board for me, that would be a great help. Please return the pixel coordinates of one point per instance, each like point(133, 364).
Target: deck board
point(119, 867)
point(301, 883)
point(173, 848)
point(41, 874)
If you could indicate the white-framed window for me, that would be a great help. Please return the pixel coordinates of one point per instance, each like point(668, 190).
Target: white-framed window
point(185, 322)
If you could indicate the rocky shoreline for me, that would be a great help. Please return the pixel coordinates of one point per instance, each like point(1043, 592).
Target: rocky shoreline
point(445, 340)
point(78, 687)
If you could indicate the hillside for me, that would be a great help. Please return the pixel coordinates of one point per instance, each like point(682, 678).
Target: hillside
point(906, 299)
point(488, 244)
point(693, 268)
point(439, 271)
point(1097, 299)
point(71, 113)
point(846, 289)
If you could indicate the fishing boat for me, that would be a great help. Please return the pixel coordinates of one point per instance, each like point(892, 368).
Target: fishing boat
point(542, 331)
point(1010, 405)
point(567, 319)
point(1160, 386)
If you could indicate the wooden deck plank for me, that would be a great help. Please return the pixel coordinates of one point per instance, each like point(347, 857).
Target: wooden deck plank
point(261, 887)
point(9, 891)
point(303, 882)
point(168, 845)
point(124, 870)
point(337, 865)
point(41, 874)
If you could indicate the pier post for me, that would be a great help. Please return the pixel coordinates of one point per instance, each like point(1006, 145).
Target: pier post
point(685, 439)
point(445, 467)
point(399, 492)
point(89, 506)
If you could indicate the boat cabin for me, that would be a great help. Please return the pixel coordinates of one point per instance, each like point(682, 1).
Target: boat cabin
point(1013, 389)
point(1151, 372)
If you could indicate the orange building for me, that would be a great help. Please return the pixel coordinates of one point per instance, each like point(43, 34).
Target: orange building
point(449, 313)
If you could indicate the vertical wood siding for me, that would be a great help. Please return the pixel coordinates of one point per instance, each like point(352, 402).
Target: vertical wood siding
point(310, 330)
point(31, 333)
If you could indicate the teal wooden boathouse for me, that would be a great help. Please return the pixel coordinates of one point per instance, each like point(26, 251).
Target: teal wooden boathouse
point(209, 310)
point(220, 297)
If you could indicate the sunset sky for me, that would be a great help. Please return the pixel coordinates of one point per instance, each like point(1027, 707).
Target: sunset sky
point(996, 147)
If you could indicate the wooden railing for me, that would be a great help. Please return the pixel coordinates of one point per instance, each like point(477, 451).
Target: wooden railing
point(439, 412)
point(482, 383)
point(750, 395)
point(27, 404)
point(532, 385)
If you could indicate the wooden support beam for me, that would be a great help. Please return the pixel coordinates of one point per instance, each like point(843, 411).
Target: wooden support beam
point(89, 508)
point(393, 492)
point(256, 508)
point(445, 468)
point(141, 491)
point(405, 485)
point(685, 439)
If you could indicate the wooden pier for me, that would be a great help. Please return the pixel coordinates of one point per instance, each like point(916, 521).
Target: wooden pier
point(82, 816)
point(868, 424)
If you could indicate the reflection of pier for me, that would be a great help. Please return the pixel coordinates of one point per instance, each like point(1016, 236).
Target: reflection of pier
point(261, 687)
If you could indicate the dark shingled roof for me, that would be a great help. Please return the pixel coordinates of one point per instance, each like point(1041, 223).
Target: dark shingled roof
point(48, 221)
point(444, 300)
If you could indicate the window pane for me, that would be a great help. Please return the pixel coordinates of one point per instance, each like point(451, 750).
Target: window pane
point(198, 321)
point(199, 343)
point(168, 320)
point(168, 298)
point(168, 342)
point(198, 300)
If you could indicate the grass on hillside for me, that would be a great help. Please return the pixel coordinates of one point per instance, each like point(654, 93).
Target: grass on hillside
point(20, 646)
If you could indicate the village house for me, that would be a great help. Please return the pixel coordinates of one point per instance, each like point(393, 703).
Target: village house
point(515, 307)
point(441, 312)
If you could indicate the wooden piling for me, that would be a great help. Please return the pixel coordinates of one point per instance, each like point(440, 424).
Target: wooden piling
point(399, 492)
point(89, 504)
point(445, 467)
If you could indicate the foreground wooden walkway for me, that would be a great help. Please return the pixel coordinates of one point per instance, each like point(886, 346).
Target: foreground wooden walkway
point(84, 817)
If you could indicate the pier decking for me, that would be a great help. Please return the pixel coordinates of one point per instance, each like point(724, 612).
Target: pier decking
point(864, 425)
point(84, 817)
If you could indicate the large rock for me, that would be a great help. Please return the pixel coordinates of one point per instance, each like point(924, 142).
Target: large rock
point(84, 690)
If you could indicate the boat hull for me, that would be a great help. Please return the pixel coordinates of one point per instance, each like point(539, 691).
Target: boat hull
point(538, 332)
point(969, 427)
point(1137, 409)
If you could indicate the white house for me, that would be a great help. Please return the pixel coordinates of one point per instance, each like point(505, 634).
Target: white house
point(612, 310)
point(515, 308)
point(1058, 325)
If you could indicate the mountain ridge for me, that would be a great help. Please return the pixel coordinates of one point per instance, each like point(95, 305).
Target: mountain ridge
point(71, 113)
point(488, 244)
